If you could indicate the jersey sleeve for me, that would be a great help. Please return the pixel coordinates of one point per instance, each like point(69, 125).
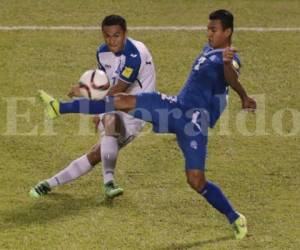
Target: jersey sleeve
point(101, 49)
point(236, 63)
point(100, 66)
point(131, 68)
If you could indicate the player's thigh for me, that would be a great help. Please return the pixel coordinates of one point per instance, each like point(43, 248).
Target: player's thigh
point(132, 128)
point(194, 149)
point(159, 109)
point(112, 124)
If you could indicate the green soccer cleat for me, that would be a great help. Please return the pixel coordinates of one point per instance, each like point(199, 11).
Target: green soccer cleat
point(240, 227)
point(52, 105)
point(42, 188)
point(111, 190)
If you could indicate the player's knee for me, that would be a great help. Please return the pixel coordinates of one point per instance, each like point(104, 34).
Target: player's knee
point(112, 124)
point(195, 183)
point(196, 180)
point(94, 156)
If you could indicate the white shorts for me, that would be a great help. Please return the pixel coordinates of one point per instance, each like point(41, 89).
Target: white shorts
point(133, 127)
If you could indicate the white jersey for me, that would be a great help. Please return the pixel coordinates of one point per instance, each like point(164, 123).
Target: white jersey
point(133, 65)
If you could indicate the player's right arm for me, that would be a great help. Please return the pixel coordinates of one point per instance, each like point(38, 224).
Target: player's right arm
point(232, 78)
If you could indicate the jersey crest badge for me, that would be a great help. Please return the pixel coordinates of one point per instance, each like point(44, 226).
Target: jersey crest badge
point(127, 72)
point(194, 144)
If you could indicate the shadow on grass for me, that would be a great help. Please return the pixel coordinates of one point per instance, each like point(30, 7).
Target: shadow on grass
point(52, 207)
point(181, 246)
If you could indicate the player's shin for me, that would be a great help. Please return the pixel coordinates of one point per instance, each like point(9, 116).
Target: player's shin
point(215, 197)
point(87, 106)
point(109, 153)
point(74, 170)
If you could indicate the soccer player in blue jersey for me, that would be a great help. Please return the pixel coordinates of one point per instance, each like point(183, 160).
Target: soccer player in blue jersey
point(129, 66)
point(197, 107)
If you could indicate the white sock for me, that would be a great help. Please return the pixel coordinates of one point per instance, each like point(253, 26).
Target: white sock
point(109, 154)
point(74, 170)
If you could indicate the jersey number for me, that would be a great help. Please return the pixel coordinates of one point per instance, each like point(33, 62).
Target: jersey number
point(200, 61)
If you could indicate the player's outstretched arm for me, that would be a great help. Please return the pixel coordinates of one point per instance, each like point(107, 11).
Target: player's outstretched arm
point(232, 78)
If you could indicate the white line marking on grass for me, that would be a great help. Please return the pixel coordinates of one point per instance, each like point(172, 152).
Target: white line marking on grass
point(151, 28)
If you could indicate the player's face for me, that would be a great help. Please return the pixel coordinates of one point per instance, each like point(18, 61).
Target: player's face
point(114, 37)
point(217, 37)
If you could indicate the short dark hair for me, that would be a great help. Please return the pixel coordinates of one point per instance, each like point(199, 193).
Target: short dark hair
point(114, 20)
point(224, 16)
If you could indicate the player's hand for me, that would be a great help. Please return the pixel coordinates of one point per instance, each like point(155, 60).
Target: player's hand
point(249, 104)
point(96, 120)
point(74, 92)
point(228, 54)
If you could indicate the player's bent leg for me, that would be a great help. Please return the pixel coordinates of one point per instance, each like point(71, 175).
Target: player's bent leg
point(77, 168)
point(194, 150)
point(215, 197)
point(73, 171)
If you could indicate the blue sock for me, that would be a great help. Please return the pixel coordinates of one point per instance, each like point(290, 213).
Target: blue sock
point(87, 106)
point(215, 197)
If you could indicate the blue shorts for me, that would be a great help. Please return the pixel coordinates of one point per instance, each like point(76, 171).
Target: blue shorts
point(169, 116)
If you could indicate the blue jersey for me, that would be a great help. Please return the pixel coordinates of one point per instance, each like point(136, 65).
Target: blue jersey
point(206, 87)
point(198, 105)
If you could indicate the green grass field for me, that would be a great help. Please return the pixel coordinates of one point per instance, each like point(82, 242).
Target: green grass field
point(254, 158)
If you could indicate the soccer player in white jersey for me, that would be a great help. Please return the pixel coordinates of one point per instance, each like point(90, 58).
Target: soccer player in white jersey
point(130, 69)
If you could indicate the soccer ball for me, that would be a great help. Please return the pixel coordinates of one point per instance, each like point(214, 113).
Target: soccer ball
point(94, 84)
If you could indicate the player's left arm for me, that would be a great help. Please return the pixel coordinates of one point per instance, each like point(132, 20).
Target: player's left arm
point(232, 78)
point(127, 76)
